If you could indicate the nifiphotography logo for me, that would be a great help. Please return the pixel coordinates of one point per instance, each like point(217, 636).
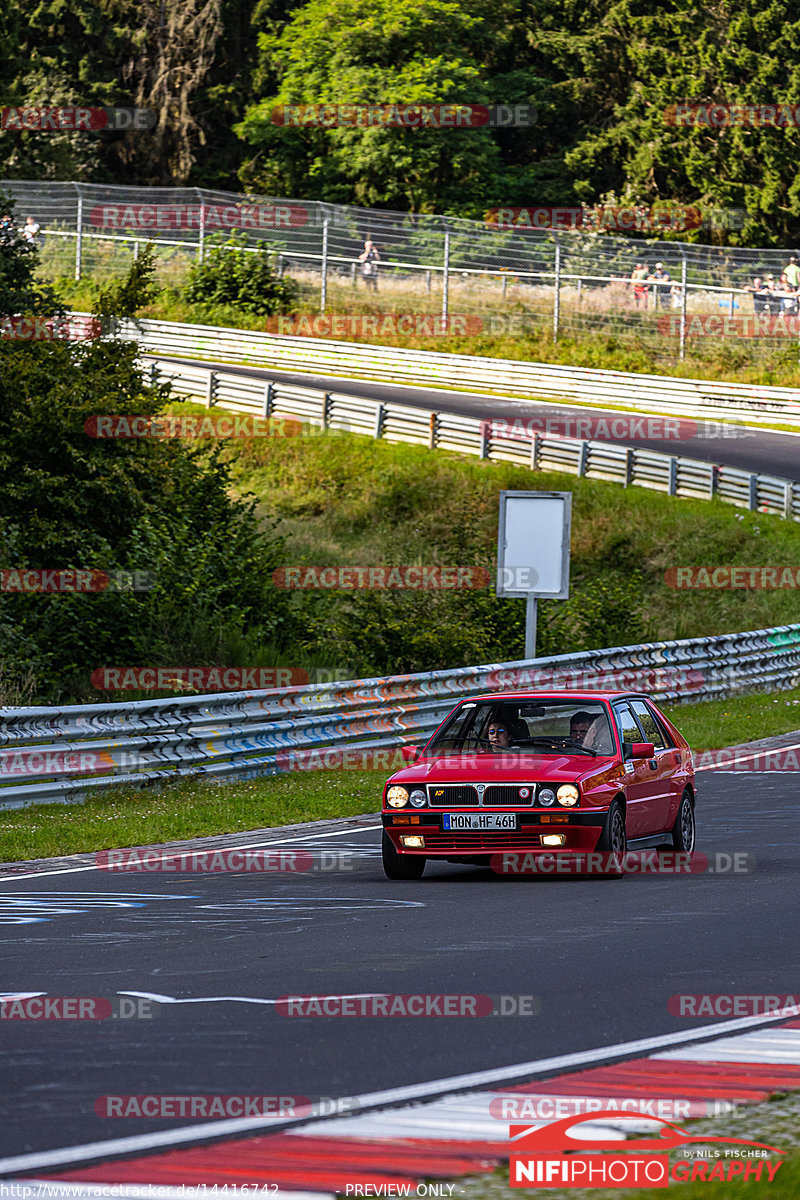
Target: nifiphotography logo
point(552, 1156)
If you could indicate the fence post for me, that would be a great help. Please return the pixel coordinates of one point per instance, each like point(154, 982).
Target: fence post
point(557, 294)
point(428, 282)
point(323, 300)
point(446, 275)
point(135, 251)
point(684, 298)
point(79, 238)
point(201, 246)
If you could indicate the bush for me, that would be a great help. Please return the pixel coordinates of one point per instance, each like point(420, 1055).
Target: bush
point(233, 275)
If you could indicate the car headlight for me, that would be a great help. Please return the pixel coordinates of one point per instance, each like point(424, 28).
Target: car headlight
point(418, 798)
point(546, 796)
point(568, 795)
point(397, 797)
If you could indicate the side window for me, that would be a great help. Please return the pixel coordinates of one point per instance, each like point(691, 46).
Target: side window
point(628, 729)
point(652, 730)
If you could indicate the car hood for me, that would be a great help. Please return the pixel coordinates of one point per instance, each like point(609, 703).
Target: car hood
point(558, 768)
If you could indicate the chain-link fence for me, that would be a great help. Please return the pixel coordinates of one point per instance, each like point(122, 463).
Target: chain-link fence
point(480, 277)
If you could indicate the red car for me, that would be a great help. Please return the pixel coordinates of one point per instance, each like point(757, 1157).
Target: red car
point(538, 773)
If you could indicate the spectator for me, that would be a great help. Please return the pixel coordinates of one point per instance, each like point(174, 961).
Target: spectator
point(773, 301)
point(369, 259)
point(660, 277)
point(760, 294)
point(676, 295)
point(6, 228)
point(787, 296)
point(792, 272)
point(30, 229)
point(638, 276)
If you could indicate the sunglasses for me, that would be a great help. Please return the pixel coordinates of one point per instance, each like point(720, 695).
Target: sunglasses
point(497, 729)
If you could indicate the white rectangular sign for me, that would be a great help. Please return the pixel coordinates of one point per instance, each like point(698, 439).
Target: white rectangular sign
point(533, 544)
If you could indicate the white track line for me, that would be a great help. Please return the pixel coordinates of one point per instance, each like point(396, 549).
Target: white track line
point(144, 1142)
point(288, 840)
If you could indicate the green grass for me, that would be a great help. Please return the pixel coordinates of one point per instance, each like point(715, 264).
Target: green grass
point(186, 809)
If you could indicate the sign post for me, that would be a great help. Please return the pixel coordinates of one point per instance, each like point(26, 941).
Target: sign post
point(533, 551)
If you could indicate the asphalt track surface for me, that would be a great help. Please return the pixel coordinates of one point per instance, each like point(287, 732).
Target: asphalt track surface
point(602, 956)
point(763, 451)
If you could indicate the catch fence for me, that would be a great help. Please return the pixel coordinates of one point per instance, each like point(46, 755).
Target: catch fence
point(516, 281)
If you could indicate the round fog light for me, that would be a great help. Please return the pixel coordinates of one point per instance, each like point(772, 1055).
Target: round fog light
point(547, 796)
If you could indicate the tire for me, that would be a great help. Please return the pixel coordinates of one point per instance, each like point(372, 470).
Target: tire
point(614, 838)
point(683, 831)
point(400, 866)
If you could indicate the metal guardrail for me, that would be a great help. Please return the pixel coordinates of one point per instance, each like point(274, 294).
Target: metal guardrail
point(711, 399)
point(63, 755)
point(630, 466)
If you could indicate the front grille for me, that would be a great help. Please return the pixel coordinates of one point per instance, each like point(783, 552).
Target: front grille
point(507, 795)
point(451, 795)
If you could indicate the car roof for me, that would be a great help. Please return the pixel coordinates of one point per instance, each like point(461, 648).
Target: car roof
point(565, 694)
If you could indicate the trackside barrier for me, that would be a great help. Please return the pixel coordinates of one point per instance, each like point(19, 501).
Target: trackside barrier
point(710, 399)
point(678, 476)
point(63, 755)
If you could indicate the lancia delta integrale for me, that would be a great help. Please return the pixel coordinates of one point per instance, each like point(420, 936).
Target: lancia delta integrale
point(566, 773)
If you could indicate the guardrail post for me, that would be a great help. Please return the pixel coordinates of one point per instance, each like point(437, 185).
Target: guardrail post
point(486, 433)
point(557, 291)
point(583, 456)
point(267, 404)
point(379, 412)
point(788, 500)
point(535, 450)
point(79, 234)
point(752, 493)
point(684, 297)
point(326, 407)
point(211, 385)
point(433, 430)
point(629, 463)
point(323, 299)
point(672, 485)
point(446, 275)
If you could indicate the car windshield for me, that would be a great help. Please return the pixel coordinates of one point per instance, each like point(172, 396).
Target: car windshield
point(546, 726)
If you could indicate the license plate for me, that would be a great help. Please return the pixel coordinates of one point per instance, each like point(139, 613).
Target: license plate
point(479, 821)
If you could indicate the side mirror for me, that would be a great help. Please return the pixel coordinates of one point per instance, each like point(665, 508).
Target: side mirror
point(410, 753)
point(642, 750)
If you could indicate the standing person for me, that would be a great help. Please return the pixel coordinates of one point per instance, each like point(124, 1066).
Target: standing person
point(638, 276)
point(30, 229)
point(660, 277)
point(792, 272)
point(369, 259)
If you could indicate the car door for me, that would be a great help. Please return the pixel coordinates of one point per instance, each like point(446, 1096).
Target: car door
point(642, 789)
point(668, 759)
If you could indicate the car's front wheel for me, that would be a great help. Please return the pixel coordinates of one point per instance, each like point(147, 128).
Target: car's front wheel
point(614, 839)
point(400, 866)
point(683, 831)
